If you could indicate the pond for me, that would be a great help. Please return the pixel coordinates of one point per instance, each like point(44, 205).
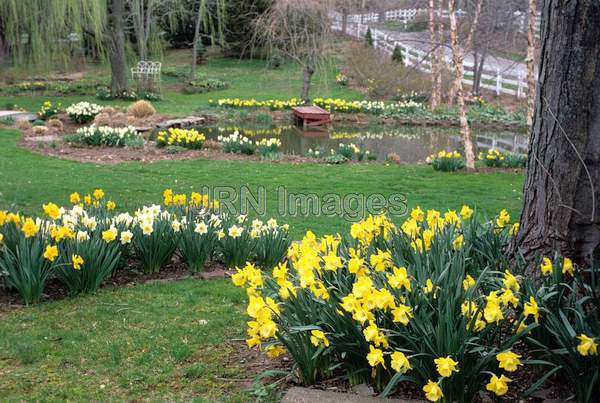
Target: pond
point(411, 143)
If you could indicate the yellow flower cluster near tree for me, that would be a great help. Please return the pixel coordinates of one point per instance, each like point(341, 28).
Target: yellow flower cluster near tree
point(434, 301)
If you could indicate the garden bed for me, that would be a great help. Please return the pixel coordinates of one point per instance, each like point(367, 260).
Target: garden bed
point(128, 276)
point(56, 147)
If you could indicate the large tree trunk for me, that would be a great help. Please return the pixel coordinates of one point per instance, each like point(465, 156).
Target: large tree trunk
point(308, 73)
point(116, 48)
point(561, 209)
point(458, 58)
point(434, 54)
point(530, 60)
point(196, 40)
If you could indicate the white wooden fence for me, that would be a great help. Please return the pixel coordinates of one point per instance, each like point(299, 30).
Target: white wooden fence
point(403, 14)
point(497, 81)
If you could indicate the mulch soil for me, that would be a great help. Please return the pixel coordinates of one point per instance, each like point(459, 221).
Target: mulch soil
point(129, 276)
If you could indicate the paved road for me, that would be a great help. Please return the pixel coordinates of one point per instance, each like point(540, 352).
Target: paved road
point(421, 41)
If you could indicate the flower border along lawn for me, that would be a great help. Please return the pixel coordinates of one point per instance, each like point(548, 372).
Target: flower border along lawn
point(30, 179)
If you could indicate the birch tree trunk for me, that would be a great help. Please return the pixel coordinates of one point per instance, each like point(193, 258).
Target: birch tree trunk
point(531, 42)
point(435, 62)
point(561, 209)
point(458, 58)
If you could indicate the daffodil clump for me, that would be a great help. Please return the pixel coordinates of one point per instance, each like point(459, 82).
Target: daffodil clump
point(432, 301)
point(273, 104)
point(84, 243)
point(331, 104)
point(499, 159)
point(251, 132)
point(83, 112)
point(341, 79)
point(345, 152)
point(49, 110)
point(569, 333)
point(268, 146)
point(236, 143)
point(107, 136)
point(187, 138)
point(446, 161)
point(73, 244)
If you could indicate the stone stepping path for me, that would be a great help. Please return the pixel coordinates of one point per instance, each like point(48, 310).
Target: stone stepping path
point(306, 395)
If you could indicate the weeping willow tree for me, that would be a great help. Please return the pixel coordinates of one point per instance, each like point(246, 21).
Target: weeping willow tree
point(209, 16)
point(43, 34)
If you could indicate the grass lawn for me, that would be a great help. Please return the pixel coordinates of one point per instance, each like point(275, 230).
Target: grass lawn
point(150, 342)
point(30, 179)
point(248, 79)
point(156, 342)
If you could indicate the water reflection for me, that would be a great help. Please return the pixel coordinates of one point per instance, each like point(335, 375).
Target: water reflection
point(412, 143)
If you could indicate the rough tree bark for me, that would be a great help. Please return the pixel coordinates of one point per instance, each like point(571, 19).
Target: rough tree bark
point(435, 61)
point(457, 59)
point(308, 73)
point(530, 60)
point(561, 208)
point(116, 47)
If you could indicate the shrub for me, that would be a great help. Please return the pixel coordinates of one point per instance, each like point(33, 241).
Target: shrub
point(200, 52)
point(26, 265)
point(446, 161)
point(237, 144)
point(141, 109)
point(369, 37)
point(388, 305)
point(102, 119)
point(83, 112)
point(104, 136)
point(23, 124)
point(55, 124)
point(375, 71)
point(275, 61)
point(397, 55)
point(204, 85)
point(40, 130)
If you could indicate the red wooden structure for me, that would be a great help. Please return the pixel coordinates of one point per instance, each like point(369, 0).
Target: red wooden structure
point(311, 116)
